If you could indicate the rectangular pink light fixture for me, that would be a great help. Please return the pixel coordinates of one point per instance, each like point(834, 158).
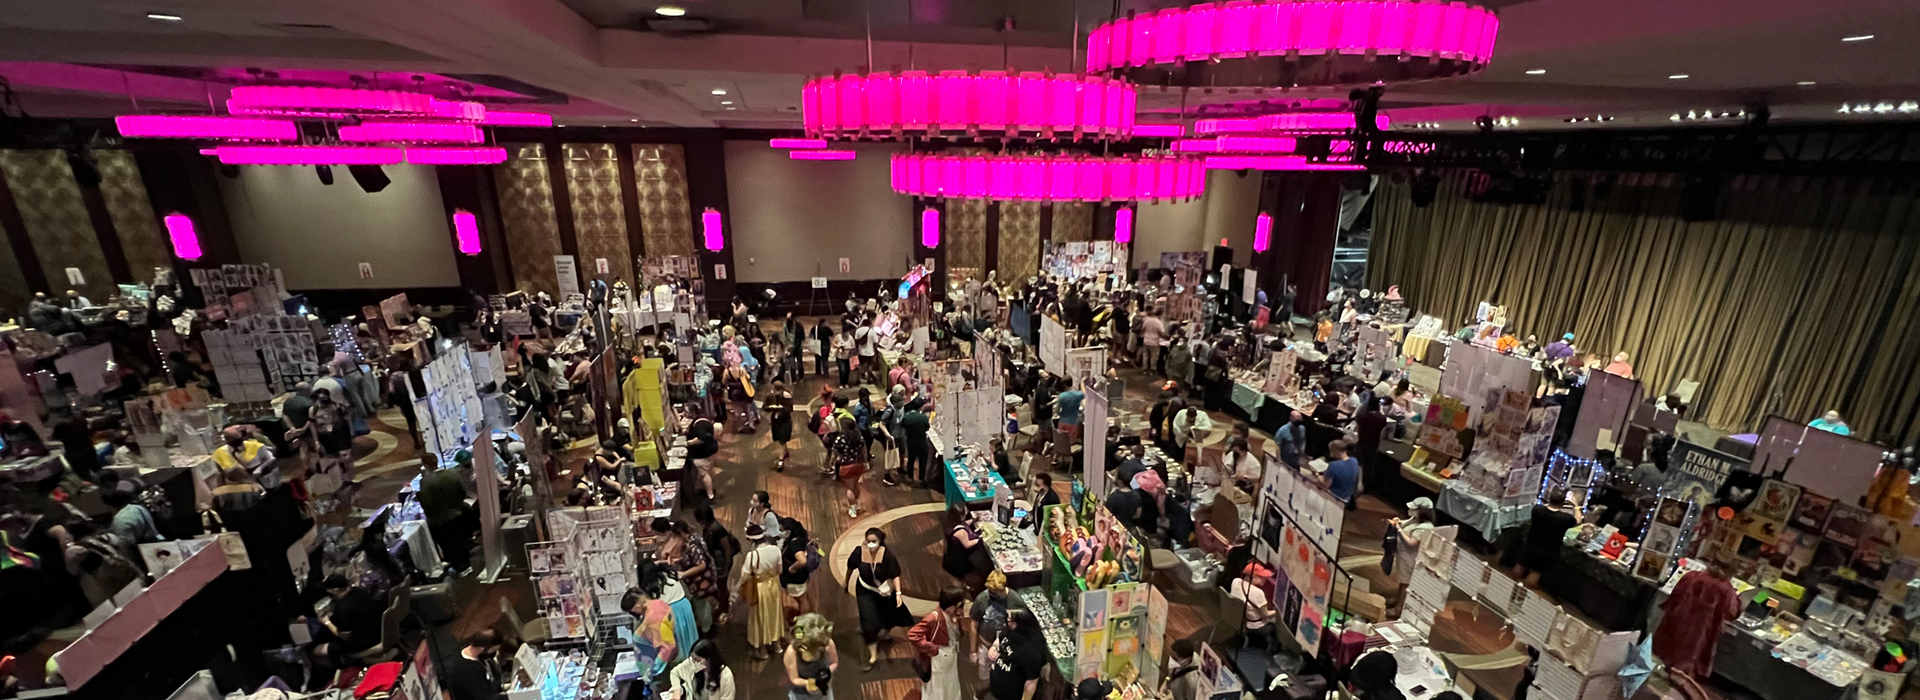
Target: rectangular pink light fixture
point(1262, 232)
point(411, 132)
point(466, 232)
point(930, 228)
point(797, 143)
point(494, 118)
point(454, 155)
point(710, 230)
point(186, 243)
point(1123, 225)
point(822, 155)
point(460, 110)
point(164, 126)
point(309, 155)
point(1275, 163)
point(1159, 131)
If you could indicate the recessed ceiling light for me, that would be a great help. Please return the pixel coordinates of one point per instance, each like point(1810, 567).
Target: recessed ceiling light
point(1537, 71)
point(719, 91)
point(633, 120)
point(729, 109)
point(164, 17)
point(670, 10)
point(1677, 76)
point(726, 102)
point(1805, 83)
point(1858, 37)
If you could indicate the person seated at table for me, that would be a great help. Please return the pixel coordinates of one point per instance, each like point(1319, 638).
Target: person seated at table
point(242, 451)
point(1328, 410)
point(1240, 464)
point(351, 623)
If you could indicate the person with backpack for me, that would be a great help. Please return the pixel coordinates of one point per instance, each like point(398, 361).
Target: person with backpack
point(801, 557)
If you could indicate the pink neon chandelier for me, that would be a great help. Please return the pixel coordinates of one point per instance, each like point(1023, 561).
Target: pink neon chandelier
point(377, 121)
point(1049, 177)
point(1289, 122)
point(1296, 44)
point(1018, 105)
point(822, 154)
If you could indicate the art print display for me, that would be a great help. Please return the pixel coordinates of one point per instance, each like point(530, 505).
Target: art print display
point(1446, 417)
point(1775, 502)
point(1846, 524)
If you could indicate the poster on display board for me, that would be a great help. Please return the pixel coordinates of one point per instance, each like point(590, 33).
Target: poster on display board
point(1377, 352)
point(1440, 433)
point(486, 487)
point(1281, 373)
point(1248, 290)
point(1053, 346)
point(1472, 371)
point(1086, 364)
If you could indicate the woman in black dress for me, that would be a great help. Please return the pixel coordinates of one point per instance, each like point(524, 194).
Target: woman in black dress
point(873, 577)
point(779, 411)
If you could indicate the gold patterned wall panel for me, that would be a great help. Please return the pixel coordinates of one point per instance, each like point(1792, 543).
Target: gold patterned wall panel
point(1072, 221)
point(56, 218)
point(139, 229)
point(526, 214)
point(599, 215)
point(965, 231)
point(666, 219)
point(1019, 240)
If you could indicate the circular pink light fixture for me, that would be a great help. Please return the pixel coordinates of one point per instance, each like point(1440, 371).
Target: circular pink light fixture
point(1295, 44)
point(1049, 177)
point(990, 103)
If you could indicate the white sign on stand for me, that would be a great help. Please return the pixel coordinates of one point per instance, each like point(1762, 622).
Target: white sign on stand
point(566, 274)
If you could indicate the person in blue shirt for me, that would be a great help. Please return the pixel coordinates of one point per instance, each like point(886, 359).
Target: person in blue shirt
point(1293, 440)
point(1342, 477)
point(1831, 423)
point(1067, 406)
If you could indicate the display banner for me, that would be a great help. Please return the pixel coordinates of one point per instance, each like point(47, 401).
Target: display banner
point(1053, 346)
point(1093, 435)
point(1696, 473)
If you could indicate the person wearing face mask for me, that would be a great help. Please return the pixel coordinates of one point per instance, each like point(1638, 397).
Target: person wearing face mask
point(873, 579)
point(703, 676)
point(473, 674)
point(991, 609)
point(1293, 440)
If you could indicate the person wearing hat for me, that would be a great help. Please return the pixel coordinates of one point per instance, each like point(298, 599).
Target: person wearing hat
point(1561, 349)
point(1410, 533)
point(1251, 588)
point(760, 592)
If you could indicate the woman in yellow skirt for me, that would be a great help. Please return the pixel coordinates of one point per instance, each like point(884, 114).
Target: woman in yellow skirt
point(760, 588)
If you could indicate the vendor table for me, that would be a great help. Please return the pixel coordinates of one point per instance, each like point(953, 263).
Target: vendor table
point(961, 487)
point(1016, 553)
point(1249, 398)
point(1748, 660)
point(1607, 593)
point(1417, 347)
point(1484, 515)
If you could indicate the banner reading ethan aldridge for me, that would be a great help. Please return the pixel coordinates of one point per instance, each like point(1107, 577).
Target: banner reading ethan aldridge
point(1695, 473)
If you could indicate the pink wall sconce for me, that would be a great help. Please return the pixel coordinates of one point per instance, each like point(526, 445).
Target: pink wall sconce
point(186, 242)
point(710, 230)
point(466, 232)
point(1123, 225)
point(1262, 232)
point(930, 228)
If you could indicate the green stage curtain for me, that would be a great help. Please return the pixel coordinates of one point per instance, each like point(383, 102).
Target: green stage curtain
point(1801, 295)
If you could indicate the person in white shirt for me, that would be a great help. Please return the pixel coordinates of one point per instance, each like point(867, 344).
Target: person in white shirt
point(702, 676)
point(1245, 468)
point(1250, 588)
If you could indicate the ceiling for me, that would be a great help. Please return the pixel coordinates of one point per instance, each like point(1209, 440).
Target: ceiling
point(597, 62)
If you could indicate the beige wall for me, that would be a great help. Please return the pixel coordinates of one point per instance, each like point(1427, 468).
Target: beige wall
point(794, 219)
point(1232, 203)
point(319, 234)
point(1226, 211)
